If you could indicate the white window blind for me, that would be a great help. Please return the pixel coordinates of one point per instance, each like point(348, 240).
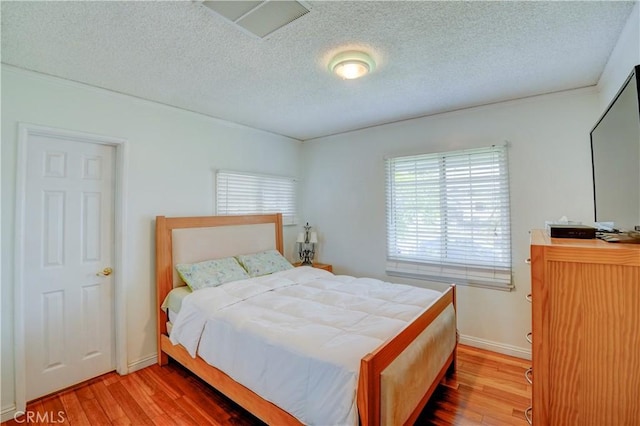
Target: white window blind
point(246, 193)
point(448, 217)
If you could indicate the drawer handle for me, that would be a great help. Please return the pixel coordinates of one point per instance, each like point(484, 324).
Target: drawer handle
point(529, 375)
point(529, 337)
point(527, 415)
point(528, 297)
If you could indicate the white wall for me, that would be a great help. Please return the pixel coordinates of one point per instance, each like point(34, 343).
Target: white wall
point(172, 155)
point(550, 176)
point(623, 58)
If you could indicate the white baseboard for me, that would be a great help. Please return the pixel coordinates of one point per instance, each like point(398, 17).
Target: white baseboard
point(496, 347)
point(7, 413)
point(143, 363)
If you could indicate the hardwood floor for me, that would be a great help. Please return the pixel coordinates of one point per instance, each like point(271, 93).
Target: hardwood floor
point(487, 389)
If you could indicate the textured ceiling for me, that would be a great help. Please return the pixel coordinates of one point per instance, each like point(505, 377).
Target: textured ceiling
point(431, 56)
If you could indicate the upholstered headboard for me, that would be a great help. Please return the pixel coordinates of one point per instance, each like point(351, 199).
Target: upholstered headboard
point(192, 245)
point(194, 239)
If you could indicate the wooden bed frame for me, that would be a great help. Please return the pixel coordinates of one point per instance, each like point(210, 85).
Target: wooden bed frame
point(371, 366)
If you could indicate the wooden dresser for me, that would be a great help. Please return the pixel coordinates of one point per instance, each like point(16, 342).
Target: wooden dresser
point(586, 331)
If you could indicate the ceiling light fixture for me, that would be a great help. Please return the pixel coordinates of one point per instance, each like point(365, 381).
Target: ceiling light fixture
point(352, 64)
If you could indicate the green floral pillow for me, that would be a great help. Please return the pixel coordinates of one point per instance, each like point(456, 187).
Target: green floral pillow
point(211, 273)
point(263, 263)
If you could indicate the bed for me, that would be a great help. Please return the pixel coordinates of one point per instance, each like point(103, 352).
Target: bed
point(394, 379)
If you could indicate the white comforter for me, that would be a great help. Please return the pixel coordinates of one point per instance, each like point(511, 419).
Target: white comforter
point(296, 337)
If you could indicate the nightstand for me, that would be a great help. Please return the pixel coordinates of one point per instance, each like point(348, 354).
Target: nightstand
point(324, 266)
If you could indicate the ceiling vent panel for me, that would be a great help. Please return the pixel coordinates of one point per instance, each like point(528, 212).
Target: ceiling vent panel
point(260, 18)
point(232, 10)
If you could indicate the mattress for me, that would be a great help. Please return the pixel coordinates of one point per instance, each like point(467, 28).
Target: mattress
point(172, 304)
point(296, 337)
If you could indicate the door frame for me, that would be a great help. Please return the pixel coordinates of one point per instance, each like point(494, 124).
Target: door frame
point(25, 130)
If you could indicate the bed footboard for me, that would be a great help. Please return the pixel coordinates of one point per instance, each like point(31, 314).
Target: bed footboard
point(372, 366)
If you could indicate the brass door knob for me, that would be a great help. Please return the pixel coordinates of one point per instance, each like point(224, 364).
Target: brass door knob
point(105, 272)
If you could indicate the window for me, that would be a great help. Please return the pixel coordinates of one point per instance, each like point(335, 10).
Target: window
point(448, 217)
point(244, 193)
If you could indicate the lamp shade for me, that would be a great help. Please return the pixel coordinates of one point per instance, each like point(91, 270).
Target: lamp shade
point(300, 238)
point(313, 238)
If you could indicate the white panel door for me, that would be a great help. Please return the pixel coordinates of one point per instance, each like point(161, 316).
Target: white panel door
point(69, 225)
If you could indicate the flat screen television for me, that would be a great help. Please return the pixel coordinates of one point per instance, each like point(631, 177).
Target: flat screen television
point(615, 154)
